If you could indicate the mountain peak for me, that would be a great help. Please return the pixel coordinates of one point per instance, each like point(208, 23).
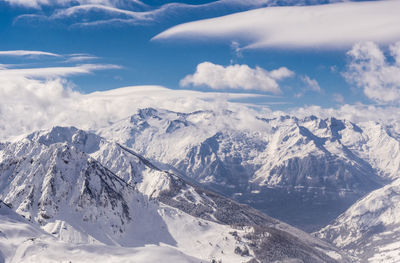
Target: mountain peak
point(147, 113)
point(84, 141)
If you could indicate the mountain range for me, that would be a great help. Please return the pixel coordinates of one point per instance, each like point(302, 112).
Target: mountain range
point(202, 186)
point(75, 191)
point(304, 171)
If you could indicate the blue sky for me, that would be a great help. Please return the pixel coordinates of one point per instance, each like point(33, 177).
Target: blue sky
point(118, 37)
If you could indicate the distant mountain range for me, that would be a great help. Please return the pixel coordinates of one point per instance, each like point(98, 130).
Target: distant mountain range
point(303, 171)
point(163, 182)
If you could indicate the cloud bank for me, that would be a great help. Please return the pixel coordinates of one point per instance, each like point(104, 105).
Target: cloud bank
point(371, 71)
point(328, 26)
point(41, 100)
point(29, 103)
point(236, 77)
point(33, 98)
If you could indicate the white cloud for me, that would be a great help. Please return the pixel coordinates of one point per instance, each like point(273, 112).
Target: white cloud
point(28, 53)
point(50, 72)
point(28, 3)
point(137, 3)
point(65, 58)
point(235, 46)
point(371, 71)
point(80, 57)
point(40, 3)
point(395, 51)
point(311, 84)
point(332, 25)
point(33, 98)
point(106, 9)
point(236, 77)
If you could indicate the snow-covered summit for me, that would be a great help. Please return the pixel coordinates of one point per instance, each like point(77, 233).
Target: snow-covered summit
point(85, 142)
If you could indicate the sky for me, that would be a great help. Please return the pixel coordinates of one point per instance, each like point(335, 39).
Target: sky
point(281, 55)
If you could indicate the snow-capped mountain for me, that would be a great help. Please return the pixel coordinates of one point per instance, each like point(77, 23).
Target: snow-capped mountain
point(94, 195)
point(304, 171)
point(370, 229)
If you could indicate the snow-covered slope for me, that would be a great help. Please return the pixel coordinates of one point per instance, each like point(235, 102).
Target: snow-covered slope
point(24, 241)
point(318, 167)
point(370, 229)
point(93, 194)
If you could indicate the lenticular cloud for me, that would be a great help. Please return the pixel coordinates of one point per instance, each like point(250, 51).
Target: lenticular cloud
point(326, 26)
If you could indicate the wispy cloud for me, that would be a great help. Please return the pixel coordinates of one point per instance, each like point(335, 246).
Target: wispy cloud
point(96, 13)
point(35, 54)
point(80, 57)
point(327, 26)
point(26, 53)
point(50, 72)
point(81, 10)
point(48, 3)
point(371, 71)
point(134, 4)
point(309, 84)
point(84, 13)
point(236, 77)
